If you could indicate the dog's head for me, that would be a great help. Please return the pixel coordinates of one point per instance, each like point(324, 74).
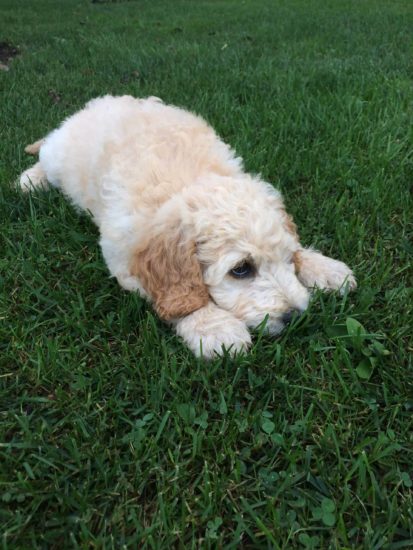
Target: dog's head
point(229, 240)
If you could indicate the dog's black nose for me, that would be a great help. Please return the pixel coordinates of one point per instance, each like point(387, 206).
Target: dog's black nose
point(289, 315)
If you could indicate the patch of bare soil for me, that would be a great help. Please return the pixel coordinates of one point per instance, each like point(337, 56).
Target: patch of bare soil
point(7, 52)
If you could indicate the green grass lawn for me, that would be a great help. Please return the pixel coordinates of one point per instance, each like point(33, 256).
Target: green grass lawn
point(111, 434)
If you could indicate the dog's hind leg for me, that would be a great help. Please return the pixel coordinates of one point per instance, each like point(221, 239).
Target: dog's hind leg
point(33, 177)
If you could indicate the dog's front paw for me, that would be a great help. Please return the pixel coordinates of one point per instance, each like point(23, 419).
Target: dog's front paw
point(128, 282)
point(210, 329)
point(318, 271)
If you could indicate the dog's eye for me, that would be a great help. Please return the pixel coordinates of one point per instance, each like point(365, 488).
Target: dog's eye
point(243, 270)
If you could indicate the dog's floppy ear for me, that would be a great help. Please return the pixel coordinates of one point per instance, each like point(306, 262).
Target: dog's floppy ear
point(170, 273)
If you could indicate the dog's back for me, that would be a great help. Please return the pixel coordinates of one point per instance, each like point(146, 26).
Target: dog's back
point(139, 149)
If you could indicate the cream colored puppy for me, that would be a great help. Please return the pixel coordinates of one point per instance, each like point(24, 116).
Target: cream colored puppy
point(181, 222)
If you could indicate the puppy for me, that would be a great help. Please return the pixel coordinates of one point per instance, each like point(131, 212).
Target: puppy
point(211, 247)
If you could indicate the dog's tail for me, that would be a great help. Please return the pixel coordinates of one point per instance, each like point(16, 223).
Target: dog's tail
point(34, 148)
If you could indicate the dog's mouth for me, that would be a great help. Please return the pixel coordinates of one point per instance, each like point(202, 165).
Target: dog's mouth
point(273, 325)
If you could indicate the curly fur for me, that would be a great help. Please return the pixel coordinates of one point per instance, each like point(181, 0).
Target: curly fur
point(170, 272)
point(176, 213)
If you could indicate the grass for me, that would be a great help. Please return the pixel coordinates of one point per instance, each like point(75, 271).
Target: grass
point(112, 435)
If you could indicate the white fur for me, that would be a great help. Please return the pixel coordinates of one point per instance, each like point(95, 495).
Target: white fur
point(319, 271)
point(136, 165)
point(211, 328)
